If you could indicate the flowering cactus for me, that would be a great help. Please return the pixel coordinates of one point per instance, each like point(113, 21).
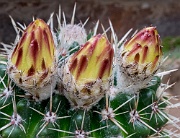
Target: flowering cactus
point(32, 62)
point(103, 90)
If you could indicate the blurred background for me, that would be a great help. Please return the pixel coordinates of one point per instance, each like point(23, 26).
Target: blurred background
point(124, 14)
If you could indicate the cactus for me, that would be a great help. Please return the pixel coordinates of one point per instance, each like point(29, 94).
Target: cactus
point(73, 84)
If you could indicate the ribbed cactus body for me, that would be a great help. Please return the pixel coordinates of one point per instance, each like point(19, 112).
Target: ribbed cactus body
point(135, 120)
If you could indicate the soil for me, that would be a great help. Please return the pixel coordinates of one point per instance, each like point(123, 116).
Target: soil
point(124, 14)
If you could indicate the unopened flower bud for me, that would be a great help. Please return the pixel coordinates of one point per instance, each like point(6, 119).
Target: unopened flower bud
point(32, 62)
point(87, 72)
point(141, 56)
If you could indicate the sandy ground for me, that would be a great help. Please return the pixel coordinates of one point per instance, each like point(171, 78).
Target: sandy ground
point(175, 90)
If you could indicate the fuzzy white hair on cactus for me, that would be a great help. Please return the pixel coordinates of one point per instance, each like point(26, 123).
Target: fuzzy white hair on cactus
point(70, 33)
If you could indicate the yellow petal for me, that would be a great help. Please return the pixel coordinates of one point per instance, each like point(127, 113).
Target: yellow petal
point(93, 61)
point(143, 49)
point(35, 51)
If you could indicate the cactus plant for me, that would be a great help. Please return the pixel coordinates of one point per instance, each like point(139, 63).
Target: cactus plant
point(73, 84)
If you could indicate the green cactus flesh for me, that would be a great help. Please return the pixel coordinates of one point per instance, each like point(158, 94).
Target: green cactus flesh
point(128, 115)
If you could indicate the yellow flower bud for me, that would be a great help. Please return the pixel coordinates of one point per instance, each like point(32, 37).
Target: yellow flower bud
point(32, 62)
point(87, 73)
point(139, 59)
point(141, 55)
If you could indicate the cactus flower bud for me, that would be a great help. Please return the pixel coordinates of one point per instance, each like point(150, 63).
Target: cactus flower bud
point(32, 62)
point(87, 73)
point(140, 57)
